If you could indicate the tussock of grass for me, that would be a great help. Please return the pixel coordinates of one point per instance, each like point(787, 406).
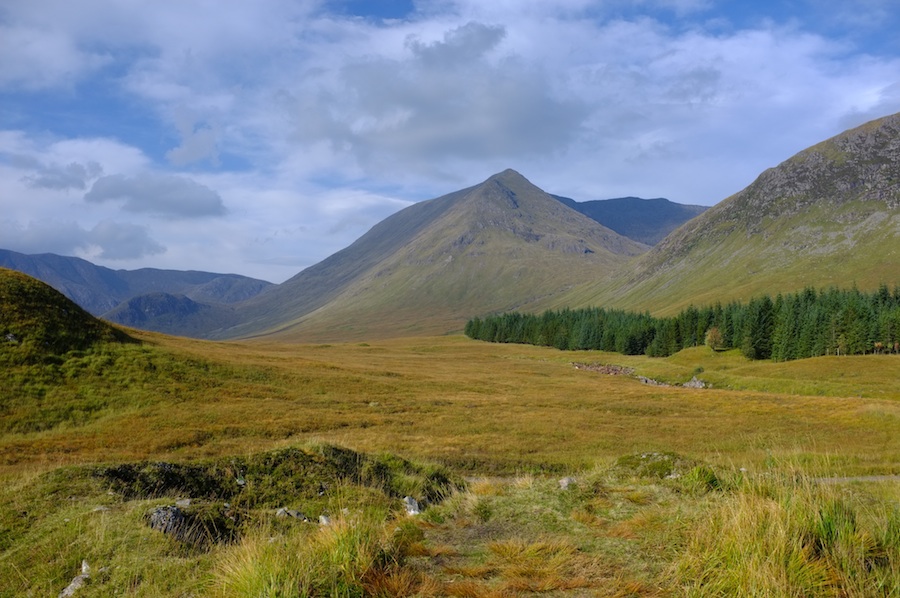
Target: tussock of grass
point(788, 537)
point(349, 557)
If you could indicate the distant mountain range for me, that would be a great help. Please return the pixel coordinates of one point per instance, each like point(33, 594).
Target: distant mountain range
point(829, 216)
point(208, 304)
point(100, 290)
point(502, 244)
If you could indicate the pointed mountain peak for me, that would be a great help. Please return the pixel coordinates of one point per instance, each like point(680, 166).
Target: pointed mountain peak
point(512, 180)
point(509, 190)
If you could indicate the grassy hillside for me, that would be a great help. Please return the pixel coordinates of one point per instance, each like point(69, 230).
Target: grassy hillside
point(828, 216)
point(37, 321)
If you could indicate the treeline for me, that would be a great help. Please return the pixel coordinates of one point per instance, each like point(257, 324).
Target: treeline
point(793, 326)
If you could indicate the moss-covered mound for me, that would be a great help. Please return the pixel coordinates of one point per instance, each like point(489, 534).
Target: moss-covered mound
point(275, 478)
point(37, 320)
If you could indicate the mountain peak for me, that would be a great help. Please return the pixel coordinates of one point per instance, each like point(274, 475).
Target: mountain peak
point(507, 175)
point(512, 180)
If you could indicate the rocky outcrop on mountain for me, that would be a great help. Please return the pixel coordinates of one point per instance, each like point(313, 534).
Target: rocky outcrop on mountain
point(860, 165)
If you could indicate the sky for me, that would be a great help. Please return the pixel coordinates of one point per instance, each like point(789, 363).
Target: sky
point(260, 137)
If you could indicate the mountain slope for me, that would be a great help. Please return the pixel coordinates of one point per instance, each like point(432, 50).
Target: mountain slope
point(98, 289)
point(177, 315)
point(647, 221)
point(828, 216)
point(499, 245)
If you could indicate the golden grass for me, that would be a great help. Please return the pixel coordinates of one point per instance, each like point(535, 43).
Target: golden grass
point(518, 418)
point(486, 407)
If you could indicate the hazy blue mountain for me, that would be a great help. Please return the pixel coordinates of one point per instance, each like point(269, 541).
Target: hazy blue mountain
point(648, 221)
point(98, 289)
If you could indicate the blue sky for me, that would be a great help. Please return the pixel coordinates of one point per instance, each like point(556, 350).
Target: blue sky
point(259, 138)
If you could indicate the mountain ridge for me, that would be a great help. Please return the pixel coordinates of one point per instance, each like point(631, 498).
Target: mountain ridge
point(99, 289)
point(827, 216)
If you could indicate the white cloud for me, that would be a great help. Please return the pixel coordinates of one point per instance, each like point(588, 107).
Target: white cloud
point(34, 59)
point(458, 97)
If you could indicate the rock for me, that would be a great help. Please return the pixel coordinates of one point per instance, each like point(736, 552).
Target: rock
point(695, 383)
point(324, 520)
point(284, 512)
point(566, 482)
point(100, 509)
point(412, 505)
point(77, 582)
point(183, 503)
point(168, 520)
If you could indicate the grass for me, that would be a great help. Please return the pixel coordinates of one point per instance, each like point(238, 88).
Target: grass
point(659, 501)
point(470, 405)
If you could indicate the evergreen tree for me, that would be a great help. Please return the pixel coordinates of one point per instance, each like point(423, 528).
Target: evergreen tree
point(758, 327)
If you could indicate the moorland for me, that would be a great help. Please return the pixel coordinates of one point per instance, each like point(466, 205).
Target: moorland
point(760, 485)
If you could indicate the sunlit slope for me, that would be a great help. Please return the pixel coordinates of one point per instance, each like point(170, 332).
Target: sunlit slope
point(503, 244)
point(828, 216)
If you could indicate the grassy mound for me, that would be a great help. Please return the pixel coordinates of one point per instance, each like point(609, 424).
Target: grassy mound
point(276, 478)
point(36, 320)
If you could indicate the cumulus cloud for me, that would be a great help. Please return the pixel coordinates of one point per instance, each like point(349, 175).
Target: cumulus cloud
point(107, 240)
point(457, 97)
point(168, 196)
point(199, 141)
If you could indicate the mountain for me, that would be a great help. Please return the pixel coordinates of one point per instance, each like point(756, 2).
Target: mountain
point(828, 216)
point(99, 290)
point(647, 221)
point(36, 321)
point(177, 315)
point(500, 245)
